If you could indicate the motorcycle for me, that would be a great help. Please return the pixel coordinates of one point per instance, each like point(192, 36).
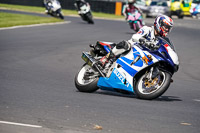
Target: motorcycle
point(85, 13)
point(196, 11)
point(144, 71)
point(54, 8)
point(135, 20)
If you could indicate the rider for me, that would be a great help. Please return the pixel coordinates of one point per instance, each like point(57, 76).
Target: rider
point(146, 35)
point(80, 3)
point(46, 2)
point(130, 8)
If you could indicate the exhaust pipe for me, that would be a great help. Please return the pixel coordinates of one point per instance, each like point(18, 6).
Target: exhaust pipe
point(91, 62)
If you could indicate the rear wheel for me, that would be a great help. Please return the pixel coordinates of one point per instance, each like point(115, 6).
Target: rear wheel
point(151, 89)
point(86, 79)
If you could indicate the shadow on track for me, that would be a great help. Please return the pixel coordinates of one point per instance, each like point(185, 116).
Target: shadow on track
point(168, 98)
point(110, 93)
point(161, 98)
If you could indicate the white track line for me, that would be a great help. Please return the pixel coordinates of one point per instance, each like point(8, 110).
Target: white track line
point(34, 25)
point(196, 100)
point(20, 124)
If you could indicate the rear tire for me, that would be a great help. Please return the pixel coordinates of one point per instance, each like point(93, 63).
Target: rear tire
point(83, 80)
point(143, 92)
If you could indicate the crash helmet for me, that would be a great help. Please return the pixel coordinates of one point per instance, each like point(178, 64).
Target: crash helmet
point(163, 25)
point(131, 1)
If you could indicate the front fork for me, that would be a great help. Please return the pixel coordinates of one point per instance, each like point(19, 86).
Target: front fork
point(152, 73)
point(151, 78)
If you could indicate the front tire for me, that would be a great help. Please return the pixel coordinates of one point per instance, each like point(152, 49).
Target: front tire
point(89, 18)
point(152, 90)
point(61, 16)
point(86, 79)
point(137, 27)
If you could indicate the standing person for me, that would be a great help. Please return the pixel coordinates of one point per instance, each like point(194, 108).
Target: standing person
point(146, 35)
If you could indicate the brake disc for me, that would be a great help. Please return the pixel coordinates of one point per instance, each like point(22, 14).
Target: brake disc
point(151, 83)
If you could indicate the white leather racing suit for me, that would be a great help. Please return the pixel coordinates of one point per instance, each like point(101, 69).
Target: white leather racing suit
point(145, 32)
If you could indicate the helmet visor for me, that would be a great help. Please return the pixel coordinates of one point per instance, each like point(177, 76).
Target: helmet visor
point(166, 27)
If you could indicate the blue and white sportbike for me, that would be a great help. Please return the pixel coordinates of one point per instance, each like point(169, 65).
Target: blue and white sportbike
point(145, 70)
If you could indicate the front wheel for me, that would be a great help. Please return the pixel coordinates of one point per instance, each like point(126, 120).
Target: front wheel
point(60, 15)
point(137, 26)
point(86, 79)
point(89, 18)
point(151, 89)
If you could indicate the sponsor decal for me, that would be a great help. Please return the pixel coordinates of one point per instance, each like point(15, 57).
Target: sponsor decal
point(140, 32)
point(166, 47)
point(121, 78)
point(104, 44)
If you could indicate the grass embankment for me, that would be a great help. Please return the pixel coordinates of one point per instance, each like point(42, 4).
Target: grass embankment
point(10, 19)
point(65, 12)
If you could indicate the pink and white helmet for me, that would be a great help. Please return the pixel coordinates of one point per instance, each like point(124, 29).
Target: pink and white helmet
point(163, 25)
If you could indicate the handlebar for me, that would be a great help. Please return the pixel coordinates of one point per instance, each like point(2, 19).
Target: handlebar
point(148, 44)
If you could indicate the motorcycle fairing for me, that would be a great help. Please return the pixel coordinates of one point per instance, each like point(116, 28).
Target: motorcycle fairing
point(55, 5)
point(116, 80)
point(132, 17)
point(172, 54)
point(124, 72)
point(84, 9)
point(166, 54)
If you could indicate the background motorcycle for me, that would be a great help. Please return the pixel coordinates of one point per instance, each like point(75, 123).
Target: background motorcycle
point(135, 20)
point(54, 8)
point(85, 13)
point(196, 11)
point(145, 70)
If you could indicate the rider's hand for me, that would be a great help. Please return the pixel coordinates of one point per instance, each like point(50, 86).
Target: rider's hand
point(146, 43)
point(142, 40)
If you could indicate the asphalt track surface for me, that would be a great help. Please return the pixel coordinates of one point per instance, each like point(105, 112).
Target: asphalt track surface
point(37, 69)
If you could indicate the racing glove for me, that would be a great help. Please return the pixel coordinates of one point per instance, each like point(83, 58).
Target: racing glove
point(143, 41)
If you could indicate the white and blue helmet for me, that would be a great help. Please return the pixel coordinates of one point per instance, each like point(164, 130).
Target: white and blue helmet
point(163, 25)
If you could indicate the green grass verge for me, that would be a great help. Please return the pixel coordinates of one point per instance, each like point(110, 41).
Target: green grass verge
point(22, 8)
point(10, 19)
point(65, 12)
